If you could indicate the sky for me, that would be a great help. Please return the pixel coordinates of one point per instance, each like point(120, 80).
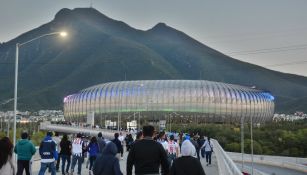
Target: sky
point(269, 33)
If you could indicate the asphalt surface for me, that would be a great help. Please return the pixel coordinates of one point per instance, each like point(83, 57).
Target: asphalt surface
point(273, 170)
point(209, 170)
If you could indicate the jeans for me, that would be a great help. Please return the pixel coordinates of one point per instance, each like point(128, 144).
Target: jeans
point(64, 159)
point(44, 167)
point(208, 156)
point(171, 158)
point(74, 161)
point(202, 152)
point(57, 166)
point(92, 161)
point(197, 153)
point(23, 164)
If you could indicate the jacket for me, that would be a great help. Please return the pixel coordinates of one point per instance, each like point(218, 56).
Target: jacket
point(187, 164)
point(47, 150)
point(118, 145)
point(24, 149)
point(208, 146)
point(107, 163)
point(78, 147)
point(93, 149)
point(101, 144)
point(146, 155)
point(65, 148)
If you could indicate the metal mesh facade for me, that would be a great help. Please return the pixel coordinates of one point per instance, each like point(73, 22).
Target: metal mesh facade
point(227, 102)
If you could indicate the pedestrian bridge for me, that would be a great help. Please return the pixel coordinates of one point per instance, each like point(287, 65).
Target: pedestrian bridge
point(222, 162)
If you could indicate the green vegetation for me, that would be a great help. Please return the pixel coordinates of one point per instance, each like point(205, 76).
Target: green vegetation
point(281, 138)
point(35, 136)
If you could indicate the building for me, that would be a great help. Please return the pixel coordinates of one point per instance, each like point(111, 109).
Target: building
point(209, 101)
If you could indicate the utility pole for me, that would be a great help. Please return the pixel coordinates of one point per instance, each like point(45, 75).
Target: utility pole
point(1, 123)
point(242, 141)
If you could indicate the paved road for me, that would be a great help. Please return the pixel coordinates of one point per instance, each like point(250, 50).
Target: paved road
point(210, 170)
point(273, 170)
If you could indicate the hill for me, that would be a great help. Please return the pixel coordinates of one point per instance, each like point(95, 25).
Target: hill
point(100, 49)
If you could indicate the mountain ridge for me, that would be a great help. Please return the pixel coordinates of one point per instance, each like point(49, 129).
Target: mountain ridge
point(100, 49)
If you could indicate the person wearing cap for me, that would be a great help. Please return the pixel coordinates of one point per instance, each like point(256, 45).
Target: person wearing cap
point(48, 153)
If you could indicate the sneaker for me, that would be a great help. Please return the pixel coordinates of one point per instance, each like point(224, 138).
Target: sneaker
point(122, 158)
point(207, 164)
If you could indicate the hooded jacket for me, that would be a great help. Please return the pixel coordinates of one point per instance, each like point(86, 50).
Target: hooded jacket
point(24, 149)
point(107, 163)
point(101, 144)
point(187, 164)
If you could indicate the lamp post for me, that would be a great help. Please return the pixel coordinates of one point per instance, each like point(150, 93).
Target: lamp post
point(62, 34)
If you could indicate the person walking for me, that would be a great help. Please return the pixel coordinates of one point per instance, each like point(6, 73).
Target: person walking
point(201, 142)
point(193, 140)
point(93, 150)
point(119, 146)
point(77, 149)
point(187, 164)
point(208, 150)
point(24, 150)
point(129, 141)
point(57, 141)
point(65, 152)
point(139, 136)
point(48, 153)
point(162, 140)
point(147, 155)
point(7, 166)
point(101, 143)
point(172, 149)
point(107, 163)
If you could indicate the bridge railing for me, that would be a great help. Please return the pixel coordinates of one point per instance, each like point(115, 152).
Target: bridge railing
point(78, 129)
point(225, 164)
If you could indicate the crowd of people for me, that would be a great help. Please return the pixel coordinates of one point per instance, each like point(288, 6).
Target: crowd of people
point(149, 153)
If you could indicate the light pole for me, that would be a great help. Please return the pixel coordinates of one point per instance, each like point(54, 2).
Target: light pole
point(62, 34)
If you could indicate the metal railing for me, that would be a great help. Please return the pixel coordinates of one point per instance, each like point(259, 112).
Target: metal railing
point(225, 164)
point(47, 126)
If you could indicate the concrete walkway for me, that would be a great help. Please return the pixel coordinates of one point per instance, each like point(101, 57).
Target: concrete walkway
point(209, 170)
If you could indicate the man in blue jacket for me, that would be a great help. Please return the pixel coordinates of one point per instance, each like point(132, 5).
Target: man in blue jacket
point(48, 153)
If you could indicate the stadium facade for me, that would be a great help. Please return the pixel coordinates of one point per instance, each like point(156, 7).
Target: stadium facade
point(219, 102)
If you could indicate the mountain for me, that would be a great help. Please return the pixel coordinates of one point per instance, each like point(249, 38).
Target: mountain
point(99, 49)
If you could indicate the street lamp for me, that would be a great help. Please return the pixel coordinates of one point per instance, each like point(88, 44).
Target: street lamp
point(62, 34)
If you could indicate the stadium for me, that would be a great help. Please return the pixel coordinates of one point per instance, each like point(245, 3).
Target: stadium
point(156, 99)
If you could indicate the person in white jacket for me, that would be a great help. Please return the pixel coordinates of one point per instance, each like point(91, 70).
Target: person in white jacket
point(7, 166)
point(208, 150)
